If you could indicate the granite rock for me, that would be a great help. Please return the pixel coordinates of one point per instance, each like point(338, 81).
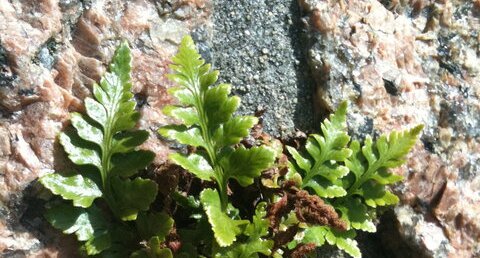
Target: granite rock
point(402, 63)
point(51, 53)
point(399, 63)
point(258, 47)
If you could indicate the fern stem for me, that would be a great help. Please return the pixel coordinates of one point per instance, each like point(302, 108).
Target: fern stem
point(315, 169)
point(106, 156)
point(210, 146)
point(107, 146)
point(366, 176)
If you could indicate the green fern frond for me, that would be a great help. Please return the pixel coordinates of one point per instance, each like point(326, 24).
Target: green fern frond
point(105, 139)
point(206, 112)
point(352, 177)
point(257, 241)
point(322, 168)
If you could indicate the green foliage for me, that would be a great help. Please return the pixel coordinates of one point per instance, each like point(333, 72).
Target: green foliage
point(245, 165)
point(343, 240)
point(155, 227)
point(105, 139)
point(208, 123)
point(350, 176)
point(256, 234)
point(225, 228)
point(322, 170)
point(108, 206)
point(81, 190)
point(87, 224)
point(153, 250)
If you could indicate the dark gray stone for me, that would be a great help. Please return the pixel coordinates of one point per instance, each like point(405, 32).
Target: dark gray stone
point(257, 46)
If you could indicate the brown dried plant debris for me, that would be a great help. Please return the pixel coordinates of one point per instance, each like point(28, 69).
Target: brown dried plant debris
point(312, 209)
point(257, 137)
point(280, 169)
point(308, 208)
point(167, 175)
point(283, 237)
point(173, 241)
point(277, 210)
point(301, 250)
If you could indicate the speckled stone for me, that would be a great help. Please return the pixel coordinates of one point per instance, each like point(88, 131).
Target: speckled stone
point(400, 64)
point(258, 47)
point(51, 52)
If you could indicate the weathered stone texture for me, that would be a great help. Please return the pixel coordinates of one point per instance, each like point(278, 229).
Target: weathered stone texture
point(51, 53)
point(399, 63)
point(258, 48)
point(402, 63)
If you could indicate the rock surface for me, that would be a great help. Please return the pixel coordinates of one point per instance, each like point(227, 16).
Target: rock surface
point(51, 52)
point(257, 45)
point(399, 63)
point(402, 63)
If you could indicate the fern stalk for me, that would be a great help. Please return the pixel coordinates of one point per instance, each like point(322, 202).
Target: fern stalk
point(209, 144)
point(206, 112)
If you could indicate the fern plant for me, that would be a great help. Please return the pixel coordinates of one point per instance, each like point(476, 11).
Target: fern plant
point(206, 113)
point(104, 145)
point(294, 220)
point(332, 189)
point(350, 176)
